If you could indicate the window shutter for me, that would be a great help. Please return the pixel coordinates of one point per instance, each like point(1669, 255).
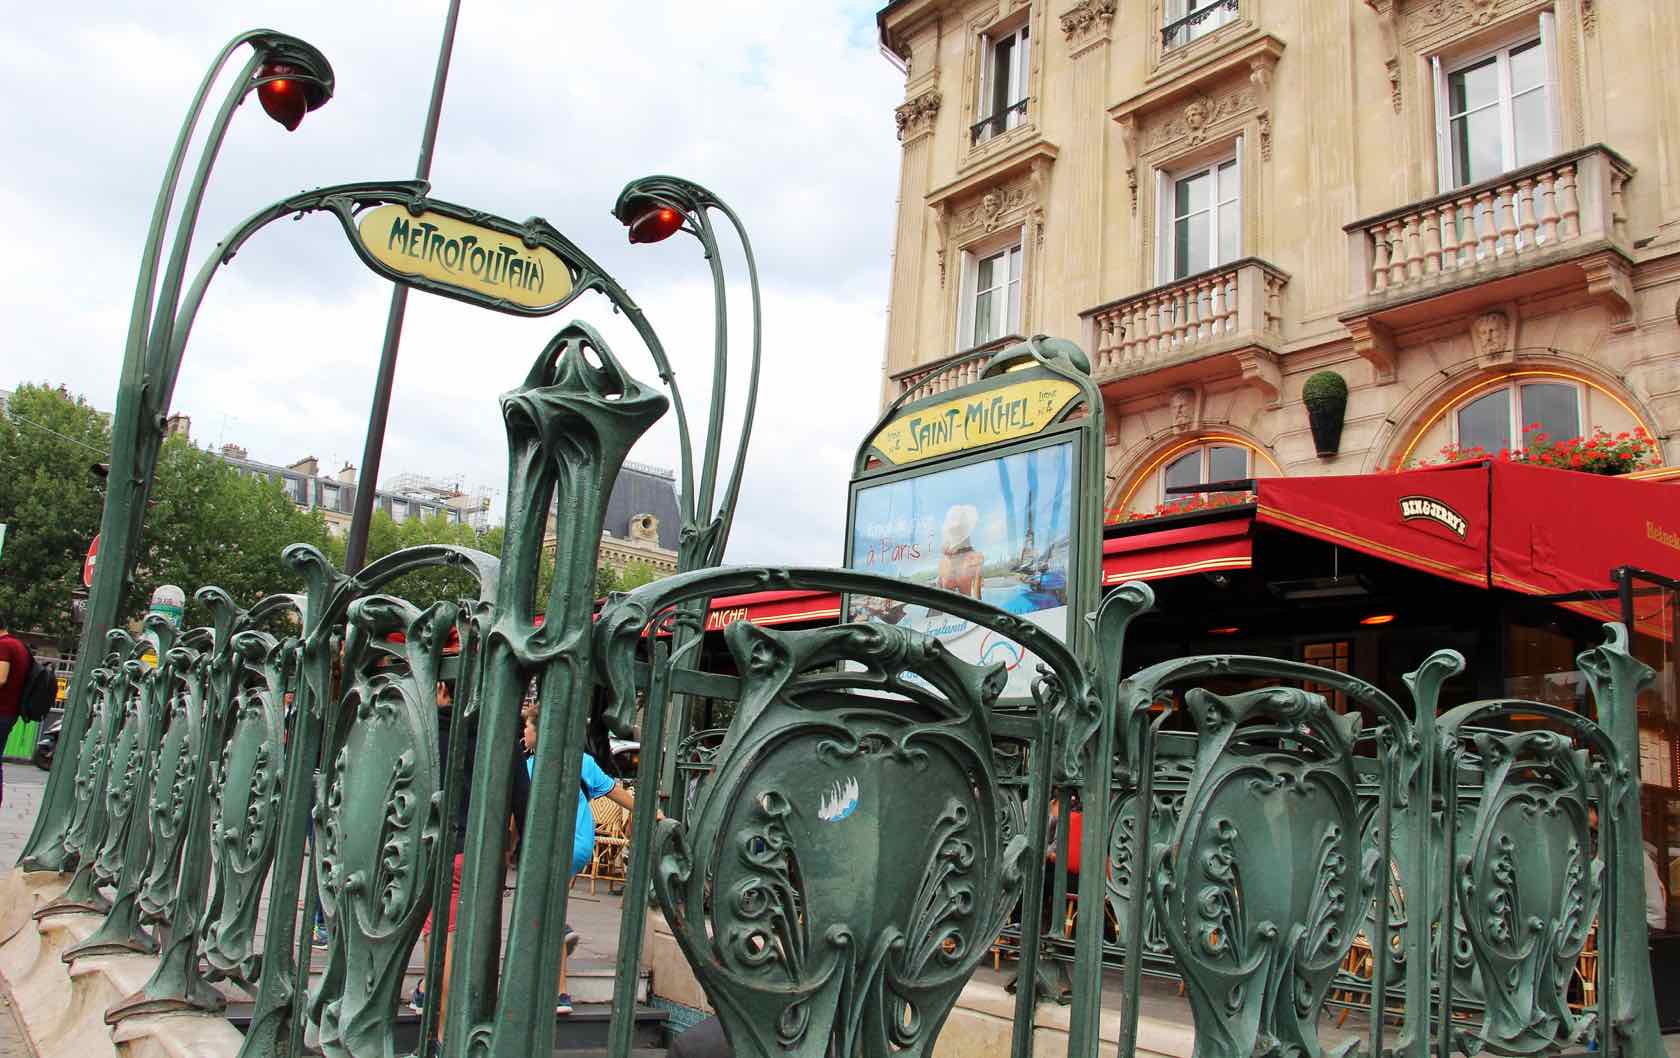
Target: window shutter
point(1443, 156)
point(984, 80)
point(1163, 228)
point(1554, 98)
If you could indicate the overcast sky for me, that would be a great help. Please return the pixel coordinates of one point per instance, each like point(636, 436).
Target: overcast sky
point(784, 109)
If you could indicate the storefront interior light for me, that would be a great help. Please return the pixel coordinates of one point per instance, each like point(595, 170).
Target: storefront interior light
point(1377, 619)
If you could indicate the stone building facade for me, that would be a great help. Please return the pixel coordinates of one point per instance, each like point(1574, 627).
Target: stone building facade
point(1469, 209)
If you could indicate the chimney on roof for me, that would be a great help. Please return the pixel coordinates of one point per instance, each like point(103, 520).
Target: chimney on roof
point(347, 474)
point(308, 466)
point(233, 451)
point(178, 424)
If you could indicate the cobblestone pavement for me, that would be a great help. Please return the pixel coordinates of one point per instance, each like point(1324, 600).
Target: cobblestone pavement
point(24, 784)
point(13, 1044)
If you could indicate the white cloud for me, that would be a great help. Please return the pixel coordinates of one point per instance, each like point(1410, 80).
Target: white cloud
point(783, 109)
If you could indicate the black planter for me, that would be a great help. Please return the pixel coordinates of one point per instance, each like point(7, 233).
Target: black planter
point(1326, 429)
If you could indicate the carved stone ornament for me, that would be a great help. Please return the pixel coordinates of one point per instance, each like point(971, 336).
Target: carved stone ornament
point(916, 116)
point(1265, 122)
point(1394, 84)
point(1185, 408)
point(1589, 16)
point(1087, 20)
point(997, 207)
point(1195, 121)
point(1490, 334)
point(1191, 124)
point(1427, 18)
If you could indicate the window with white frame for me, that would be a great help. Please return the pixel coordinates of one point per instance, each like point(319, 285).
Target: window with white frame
point(1201, 217)
point(1496, 110)
point(1186, 20)
point(1003, 83)
point(1203, 465)
point(991, 300)
point(1500, 418)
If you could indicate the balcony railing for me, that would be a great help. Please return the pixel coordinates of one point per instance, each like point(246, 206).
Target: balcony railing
point(1499, 225)
point(1234, 304)
point(1200, 21)
point(927, 380)
point(999, 123)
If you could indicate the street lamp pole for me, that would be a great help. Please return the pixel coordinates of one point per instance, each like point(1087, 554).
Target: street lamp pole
point(373, 448)
point(653, 209)
point(290, 78)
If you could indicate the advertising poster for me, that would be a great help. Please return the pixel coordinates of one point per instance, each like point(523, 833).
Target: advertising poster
point(995, 530)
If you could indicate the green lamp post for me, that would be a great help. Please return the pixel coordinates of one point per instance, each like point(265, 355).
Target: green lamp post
point(291, 78)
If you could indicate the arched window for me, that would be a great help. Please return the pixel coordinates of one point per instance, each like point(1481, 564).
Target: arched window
point(1204, 464)
point(1497, 418)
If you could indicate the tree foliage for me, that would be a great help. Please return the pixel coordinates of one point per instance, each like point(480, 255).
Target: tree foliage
point(210, 524)
point(207, 523)
point(50, 501)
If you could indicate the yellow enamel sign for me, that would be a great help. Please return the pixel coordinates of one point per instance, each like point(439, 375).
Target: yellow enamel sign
point(477, 260)
point(1002, 414)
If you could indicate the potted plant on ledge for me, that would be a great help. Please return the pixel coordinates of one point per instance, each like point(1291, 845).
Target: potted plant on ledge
point(1325, 395)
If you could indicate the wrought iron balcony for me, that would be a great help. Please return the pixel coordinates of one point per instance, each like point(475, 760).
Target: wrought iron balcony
point(1230, 311)
point(1196, 23)
point(999, 123)
point(1574, 202)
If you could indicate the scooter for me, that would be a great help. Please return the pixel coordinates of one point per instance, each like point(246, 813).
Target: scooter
point(46, 743)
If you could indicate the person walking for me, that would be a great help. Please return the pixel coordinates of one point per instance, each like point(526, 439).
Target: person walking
point(14, 671)
point(592, 783)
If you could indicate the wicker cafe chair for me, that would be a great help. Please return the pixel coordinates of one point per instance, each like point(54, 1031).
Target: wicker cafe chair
point(612, 840)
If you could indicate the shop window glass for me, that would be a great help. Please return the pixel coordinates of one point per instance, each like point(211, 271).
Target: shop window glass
point(1336, 654)
point(1493, 421)
point(1202, 465)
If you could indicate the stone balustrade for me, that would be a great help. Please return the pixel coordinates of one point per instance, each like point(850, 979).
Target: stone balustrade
point(1575, 200)
point(928, 380)
point(1235, 304)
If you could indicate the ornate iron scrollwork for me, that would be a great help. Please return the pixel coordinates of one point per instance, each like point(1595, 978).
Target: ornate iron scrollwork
point(849, 843)
point(1260, 891)
point(245, 792)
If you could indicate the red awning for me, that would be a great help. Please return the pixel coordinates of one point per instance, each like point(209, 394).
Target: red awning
point(773, 608)
point(1435, 520)
point(1530, 529)
point(1176, 552)
point(1223, 544)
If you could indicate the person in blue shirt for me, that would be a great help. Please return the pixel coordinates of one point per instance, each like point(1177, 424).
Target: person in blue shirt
point(592, 783)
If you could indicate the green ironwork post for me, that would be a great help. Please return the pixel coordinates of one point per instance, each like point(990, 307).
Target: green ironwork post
point(148, 378)
point(570, 427)
point(654, 209)
point(1628, 1011)
point(121, 930)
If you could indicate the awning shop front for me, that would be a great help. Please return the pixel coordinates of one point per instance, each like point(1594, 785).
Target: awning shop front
point(1431, 520)
point(1176, 552)
point(1529, 529)
point(1209, 547)
point(1533, 530)
point(773, 608)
